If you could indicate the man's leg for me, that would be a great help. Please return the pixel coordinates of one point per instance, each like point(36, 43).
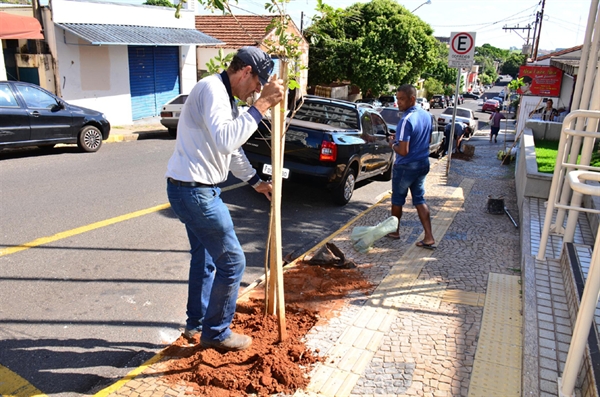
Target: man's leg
point(425, 218)
point(397, 212)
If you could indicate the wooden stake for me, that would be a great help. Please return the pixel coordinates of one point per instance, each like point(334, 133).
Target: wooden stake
point(276, 300)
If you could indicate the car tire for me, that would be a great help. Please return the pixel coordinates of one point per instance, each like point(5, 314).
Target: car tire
point(89, 139)
point(173, 132)
point(343, 192)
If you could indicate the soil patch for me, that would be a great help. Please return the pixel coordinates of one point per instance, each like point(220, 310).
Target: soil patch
point(312, 294)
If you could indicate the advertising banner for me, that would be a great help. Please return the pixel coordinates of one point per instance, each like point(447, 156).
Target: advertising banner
point(540, 80)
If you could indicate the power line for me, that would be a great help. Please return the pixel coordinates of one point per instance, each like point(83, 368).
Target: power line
point(485, 23)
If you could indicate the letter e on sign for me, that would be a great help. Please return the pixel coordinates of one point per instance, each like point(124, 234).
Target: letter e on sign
point(462, 50)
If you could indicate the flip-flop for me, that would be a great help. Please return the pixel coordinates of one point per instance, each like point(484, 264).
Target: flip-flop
point(423, 245)
point(391, 235)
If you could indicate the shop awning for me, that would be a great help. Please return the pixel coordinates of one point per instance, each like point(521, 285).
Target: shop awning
point(105, 34)
point(19, 27)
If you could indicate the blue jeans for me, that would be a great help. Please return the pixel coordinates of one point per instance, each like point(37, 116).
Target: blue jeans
point(217, 262)
point(409, 176)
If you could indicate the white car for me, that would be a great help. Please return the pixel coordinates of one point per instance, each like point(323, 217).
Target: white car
point(463, 115)
point(424, 103)
point(169, 115)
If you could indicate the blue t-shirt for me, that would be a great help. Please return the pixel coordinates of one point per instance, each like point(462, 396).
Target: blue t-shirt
point(414, 127)
point(458, 129)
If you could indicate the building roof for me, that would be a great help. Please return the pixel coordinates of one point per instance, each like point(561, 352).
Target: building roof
point(561, 52)
point(226, 29)
point(106, 34)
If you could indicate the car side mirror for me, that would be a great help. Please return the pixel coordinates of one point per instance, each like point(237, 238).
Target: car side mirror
point(475, 118)
point(59, 105)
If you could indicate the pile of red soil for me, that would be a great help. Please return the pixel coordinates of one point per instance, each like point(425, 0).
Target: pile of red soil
point(312, 293)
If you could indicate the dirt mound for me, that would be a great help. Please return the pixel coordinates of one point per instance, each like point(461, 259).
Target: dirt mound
point(312, 293)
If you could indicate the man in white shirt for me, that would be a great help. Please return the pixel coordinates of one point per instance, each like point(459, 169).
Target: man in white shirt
point(210, 133)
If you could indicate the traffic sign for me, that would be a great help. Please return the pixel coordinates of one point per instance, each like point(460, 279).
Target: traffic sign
point(462, 49)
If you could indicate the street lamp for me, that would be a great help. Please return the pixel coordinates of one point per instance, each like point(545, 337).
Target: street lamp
point(427, 2)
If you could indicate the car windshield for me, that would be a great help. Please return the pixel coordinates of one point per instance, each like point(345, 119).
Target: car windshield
point(330, 114)
point(391, 116)
point(459, 112)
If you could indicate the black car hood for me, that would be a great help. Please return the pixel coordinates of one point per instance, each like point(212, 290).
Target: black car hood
point(79, 110)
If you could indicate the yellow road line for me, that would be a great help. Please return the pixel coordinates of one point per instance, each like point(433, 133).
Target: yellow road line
point(12, 385)
point(131, 375)
point(83, 229)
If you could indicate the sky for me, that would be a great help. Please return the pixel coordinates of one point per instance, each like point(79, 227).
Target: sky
point(563, 25)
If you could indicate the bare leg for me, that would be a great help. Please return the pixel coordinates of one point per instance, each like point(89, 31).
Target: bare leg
point(397, 212)
point(425, 219)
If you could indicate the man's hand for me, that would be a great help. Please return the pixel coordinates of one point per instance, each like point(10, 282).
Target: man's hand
point(271, 94)
point(265, 188)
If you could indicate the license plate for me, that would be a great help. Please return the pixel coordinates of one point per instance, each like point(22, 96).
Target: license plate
point(268, 170)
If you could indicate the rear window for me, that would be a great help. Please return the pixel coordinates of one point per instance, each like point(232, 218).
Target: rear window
point(391, 116)
point(329, 114)
point(459, 112)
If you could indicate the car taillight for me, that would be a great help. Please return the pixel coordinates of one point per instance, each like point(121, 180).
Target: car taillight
point(166, 114)
point(440, 120)
point(328, 151)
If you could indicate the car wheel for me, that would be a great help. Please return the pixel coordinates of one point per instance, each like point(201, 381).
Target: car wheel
point(343, 192)
point(90, 139)
point(173, 132)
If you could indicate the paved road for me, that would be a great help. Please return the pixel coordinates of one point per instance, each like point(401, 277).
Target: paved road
point(80, 308)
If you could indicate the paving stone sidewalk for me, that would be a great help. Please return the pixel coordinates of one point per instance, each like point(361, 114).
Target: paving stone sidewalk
point(429, 346)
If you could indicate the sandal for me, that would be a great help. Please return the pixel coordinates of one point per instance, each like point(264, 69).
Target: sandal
point(422, 244)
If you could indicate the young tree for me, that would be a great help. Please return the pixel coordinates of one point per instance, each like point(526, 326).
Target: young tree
point(373, 45)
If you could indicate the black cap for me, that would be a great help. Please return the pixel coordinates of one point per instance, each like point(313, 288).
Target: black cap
point(261, 62)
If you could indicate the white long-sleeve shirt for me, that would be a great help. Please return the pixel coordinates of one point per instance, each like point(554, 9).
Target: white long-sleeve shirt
point(210, 133)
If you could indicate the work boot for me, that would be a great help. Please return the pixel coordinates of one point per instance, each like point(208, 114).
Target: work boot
point(233, 342)
point(191, 333)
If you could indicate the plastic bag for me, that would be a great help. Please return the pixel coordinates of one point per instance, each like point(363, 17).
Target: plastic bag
point(363, 237)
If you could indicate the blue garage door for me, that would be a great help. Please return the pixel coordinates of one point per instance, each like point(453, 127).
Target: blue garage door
point(153, 79)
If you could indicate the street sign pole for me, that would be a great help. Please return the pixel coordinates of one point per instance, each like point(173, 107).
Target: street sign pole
point(460, 55)
point(451, 138)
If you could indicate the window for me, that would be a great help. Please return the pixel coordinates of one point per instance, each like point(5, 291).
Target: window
point(35, 98)
point(323, 113)
point(7, 98)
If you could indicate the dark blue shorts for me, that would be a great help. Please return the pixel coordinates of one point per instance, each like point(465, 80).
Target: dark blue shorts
point(409, 176)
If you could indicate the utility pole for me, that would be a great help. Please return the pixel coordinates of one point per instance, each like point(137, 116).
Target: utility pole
point(535, 26)
point(537, 41)
point(301, 22)
point(527, 28)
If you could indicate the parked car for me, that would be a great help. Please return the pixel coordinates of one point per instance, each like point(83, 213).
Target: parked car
point(372, 101)
point(490, 105)
point(32, 116)
point(438, 101)
point(388, 101)
point(330, 142)
point(463, 115)
point(392, 116)
point(169, 115)
point(470, 95)
point(424, 104)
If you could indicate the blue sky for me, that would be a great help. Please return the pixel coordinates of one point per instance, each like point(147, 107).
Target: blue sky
point(563, 26)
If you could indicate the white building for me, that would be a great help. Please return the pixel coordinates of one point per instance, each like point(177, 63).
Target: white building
point(123, 60)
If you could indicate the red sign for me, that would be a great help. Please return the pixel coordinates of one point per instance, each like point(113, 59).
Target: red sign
point(540, 80)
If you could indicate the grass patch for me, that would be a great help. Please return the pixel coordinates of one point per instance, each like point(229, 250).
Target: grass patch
point(546, 152)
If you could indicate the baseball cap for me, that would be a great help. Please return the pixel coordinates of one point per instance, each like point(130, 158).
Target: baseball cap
point(261, 62)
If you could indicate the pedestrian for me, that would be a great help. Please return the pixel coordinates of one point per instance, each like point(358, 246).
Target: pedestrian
point(210, 134)
point(411, 165)
point(458, 134)
point(495, 124)
point(547, 113)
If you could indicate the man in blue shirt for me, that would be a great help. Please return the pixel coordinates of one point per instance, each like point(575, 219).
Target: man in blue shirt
point(411, 165)
point(458, 133)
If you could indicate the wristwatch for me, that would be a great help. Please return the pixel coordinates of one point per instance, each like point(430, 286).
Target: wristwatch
point(257, 183)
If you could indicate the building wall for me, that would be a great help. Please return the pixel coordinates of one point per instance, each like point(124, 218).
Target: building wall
point(97, 77)
point(566, 92)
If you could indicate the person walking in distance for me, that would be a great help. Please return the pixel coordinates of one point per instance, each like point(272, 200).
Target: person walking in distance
point(210, 134)
point(495, 126)
point(411, 166)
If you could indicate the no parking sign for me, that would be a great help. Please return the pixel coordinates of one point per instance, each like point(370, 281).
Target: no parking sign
point(462, 50)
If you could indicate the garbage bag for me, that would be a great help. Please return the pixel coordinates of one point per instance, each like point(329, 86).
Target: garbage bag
point(363, 237)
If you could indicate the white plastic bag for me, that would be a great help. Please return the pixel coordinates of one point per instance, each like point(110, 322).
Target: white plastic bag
point(363, 237)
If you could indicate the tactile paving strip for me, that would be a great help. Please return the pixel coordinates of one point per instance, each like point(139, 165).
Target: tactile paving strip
point(464, 297)
point(497, 365)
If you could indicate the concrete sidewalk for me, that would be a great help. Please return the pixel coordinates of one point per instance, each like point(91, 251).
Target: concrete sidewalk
point(150, 128)
point(440, 323)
